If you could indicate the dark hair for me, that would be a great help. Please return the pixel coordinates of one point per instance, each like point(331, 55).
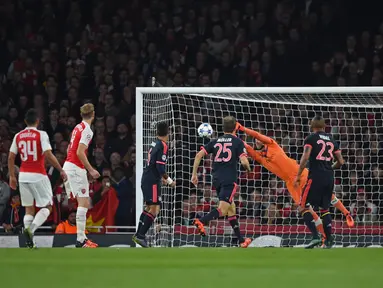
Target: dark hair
point(31, 117)
point(318, 122)
point(229, 123)
point(162, 129)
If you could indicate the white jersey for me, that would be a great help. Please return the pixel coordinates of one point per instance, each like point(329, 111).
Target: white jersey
point(31, 144)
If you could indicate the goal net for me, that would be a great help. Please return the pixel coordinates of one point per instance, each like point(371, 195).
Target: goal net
point(265, 209)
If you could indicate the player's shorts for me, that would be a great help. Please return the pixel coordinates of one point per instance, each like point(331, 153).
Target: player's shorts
point(296, 192)
point(39, 193)
point(77, 184)
point(318, 191)
point(226, 192)
point(151, 193)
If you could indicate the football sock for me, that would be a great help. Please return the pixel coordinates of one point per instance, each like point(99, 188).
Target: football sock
point(326, 218)
point(214, 214)
point(141, 222)
point(39, 219)
point(28, 220)
point(309, 221)
point(339, 205)
point(80, 223)
point(148, 219)
point(318, 223)
point(235, 225)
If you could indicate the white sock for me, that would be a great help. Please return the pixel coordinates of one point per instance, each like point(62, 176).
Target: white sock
point(80, 223)
point(40, 219)
point(28, 220)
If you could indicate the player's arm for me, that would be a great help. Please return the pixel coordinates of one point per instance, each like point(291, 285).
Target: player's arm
point(82, 156)
point(253, 153)
point(197, 161)
point(86, 137)
point(305, 158)
point(339, 161)
point(243, 156)
point(11, 164)
point(205, 150)
point(47, 150)
point(264, 139)
point(161, 159)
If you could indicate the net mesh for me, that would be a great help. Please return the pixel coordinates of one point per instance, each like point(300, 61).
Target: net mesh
point(264, 206)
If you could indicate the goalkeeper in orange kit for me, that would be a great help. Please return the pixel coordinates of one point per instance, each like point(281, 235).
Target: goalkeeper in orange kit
point(271, 156)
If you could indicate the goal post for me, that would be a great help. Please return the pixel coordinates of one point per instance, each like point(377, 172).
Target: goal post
point(265, 210)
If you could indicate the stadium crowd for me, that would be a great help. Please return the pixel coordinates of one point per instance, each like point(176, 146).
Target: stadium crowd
point(57, 55)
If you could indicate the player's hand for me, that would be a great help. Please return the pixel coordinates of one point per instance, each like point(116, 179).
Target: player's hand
point(194, 180)
point(297, 182)
point(94, 173)
point(13, 182)
point(63, 175)
point(239, 127)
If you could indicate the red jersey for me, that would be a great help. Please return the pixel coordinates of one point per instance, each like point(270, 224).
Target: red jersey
point(80, 134)
point(31, 144)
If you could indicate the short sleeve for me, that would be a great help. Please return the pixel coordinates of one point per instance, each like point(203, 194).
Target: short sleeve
point(241, 149)
point(162, 154)
point(209, 147)
point(86, 136)
point(309, 141)
point(13, 147)
point(45, 145)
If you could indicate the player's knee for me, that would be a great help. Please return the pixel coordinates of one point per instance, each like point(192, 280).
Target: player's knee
point(30, 210)
point(154, 209)
point(49, 207)
point(224, 207)
point(83, 202)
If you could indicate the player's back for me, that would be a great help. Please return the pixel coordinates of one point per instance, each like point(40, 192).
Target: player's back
point(322, 154)
point(157, 154)
point(226, 151)
point(31, 143)
point(82, 133)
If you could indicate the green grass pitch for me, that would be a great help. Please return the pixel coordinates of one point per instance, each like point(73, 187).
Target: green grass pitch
point(191, 267)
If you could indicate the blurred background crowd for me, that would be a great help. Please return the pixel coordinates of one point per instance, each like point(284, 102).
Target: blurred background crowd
point(56, 55)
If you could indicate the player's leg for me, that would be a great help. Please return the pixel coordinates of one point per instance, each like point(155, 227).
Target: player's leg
point(296, 194)
point(226, 194)
point(307, 200)
point(43, 195)
point(147, 217)
point(339, 205)
point(233, 220)
point(78, 186)
point(27, 202)
point(325, 213)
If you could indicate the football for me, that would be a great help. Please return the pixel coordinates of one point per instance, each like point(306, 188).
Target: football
point(205, 130)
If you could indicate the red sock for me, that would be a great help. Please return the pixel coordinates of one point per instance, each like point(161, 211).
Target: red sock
point(339, 205)
point(318, 223)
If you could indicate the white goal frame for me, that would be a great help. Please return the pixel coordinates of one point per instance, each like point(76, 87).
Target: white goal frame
point(216, 92)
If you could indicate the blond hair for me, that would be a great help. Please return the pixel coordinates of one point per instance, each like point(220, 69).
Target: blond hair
point(229, 123)
point(87, 110)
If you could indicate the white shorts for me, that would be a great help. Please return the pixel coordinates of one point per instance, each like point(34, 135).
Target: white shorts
point(40, 191)
point(77, 184)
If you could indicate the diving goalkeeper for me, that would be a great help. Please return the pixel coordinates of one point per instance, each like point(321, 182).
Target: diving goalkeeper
point(271, 156)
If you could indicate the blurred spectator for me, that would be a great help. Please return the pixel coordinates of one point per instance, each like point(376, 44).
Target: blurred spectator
point(13, 215)
point(5, 193)
point(363, 210)
point(68, 226)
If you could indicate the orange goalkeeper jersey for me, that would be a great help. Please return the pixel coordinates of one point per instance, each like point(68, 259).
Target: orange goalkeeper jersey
point(272, 157)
